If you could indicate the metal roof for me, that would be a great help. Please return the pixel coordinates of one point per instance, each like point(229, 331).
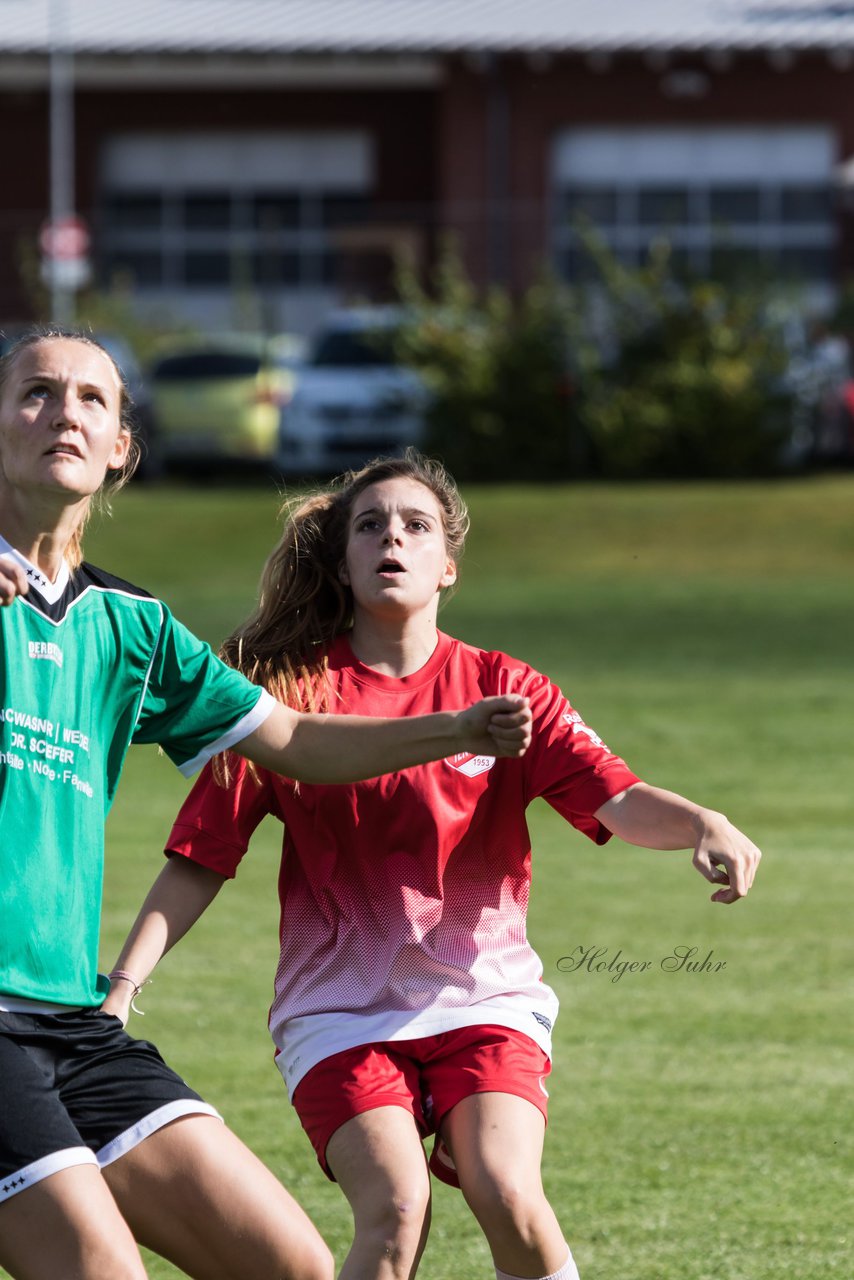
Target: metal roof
point(326, 27)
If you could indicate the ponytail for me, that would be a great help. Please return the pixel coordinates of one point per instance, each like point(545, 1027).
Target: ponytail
point(302, 607)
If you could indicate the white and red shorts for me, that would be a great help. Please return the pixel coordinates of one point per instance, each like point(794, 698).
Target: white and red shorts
point(427, 1077)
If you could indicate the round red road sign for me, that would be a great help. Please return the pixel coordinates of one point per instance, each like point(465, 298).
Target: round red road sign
point(65, 238)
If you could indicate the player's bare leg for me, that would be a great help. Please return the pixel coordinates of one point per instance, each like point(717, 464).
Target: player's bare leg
point(496, 1141)
point(379, 1163)
point(195, 1194)
point(68, 1226)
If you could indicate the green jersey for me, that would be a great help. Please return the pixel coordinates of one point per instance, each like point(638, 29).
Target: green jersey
point(88, 665)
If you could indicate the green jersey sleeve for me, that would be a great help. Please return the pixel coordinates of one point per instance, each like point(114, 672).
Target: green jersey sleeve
point(192, 704)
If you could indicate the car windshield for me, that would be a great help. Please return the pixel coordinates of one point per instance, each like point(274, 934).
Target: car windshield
point(350, 348)
point(207, 364)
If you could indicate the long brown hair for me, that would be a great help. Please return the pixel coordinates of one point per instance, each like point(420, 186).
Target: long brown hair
point(114, 480)
point(303, 605)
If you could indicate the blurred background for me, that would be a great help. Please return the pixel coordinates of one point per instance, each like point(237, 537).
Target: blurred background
point(603, 238)
point(571, 242)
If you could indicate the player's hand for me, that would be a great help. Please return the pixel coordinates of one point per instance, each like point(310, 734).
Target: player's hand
point(499, 726)
point(13, 580)
point(118, 1000)
point(725, 856)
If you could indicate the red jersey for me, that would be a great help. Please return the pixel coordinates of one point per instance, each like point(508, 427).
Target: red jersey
point(404, 898)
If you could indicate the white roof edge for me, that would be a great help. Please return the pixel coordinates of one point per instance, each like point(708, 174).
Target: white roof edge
point(392, 28)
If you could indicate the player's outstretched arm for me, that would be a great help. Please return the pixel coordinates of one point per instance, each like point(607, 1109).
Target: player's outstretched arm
point(179, 895)
point(657, 819)
point(13, 580)
point(333, 748)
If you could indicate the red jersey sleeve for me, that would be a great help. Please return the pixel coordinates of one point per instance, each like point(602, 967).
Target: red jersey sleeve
point(215, 823)
point(567, 763)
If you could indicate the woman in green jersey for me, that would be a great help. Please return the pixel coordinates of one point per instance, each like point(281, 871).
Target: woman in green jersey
point(101, 1144)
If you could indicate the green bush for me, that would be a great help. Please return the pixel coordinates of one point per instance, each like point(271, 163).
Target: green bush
point(669, 378)
point(685, 379)
point(496, 372)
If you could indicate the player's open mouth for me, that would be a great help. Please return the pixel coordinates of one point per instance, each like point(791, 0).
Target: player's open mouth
point(66, 448)
point(391, 566)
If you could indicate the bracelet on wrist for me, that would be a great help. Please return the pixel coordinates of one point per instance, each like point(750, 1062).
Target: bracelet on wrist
point(122, 975)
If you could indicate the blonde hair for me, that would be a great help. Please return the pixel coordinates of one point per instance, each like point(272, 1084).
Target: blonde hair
point(114, 480)
point(303, 605)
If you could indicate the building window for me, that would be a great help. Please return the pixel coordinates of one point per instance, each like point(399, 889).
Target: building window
point(731, 202)
point(168, 221)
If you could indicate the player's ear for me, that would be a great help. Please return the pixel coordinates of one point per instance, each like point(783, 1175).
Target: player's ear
point(121, 449)
point(449, 577)
point(343, 575)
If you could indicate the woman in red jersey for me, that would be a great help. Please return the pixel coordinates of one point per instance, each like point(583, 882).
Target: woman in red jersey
point(408, 1001)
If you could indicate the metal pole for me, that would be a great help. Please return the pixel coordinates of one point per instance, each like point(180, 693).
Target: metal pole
point(61, 148)
point(498, 172)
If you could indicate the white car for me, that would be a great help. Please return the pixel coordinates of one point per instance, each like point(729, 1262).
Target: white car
point(353, 401)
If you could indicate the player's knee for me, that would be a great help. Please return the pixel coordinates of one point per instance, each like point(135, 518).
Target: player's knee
point(400, 1222)
point(307, 1260)
point(317, 1263)
point(509, 1208)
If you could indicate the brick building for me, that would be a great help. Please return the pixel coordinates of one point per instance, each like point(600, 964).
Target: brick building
point(260, 160)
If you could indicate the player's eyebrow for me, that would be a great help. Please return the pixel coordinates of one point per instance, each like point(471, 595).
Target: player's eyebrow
point(53, 378)
point(406, 511)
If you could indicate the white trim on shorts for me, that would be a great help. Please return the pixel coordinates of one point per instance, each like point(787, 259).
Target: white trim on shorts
point(125, 1142)
point(43, 1168)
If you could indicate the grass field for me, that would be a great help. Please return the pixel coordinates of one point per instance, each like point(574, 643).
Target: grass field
point(700, 1121)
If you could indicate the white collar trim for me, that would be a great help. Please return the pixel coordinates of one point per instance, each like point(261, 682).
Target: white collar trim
point(50, 591)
